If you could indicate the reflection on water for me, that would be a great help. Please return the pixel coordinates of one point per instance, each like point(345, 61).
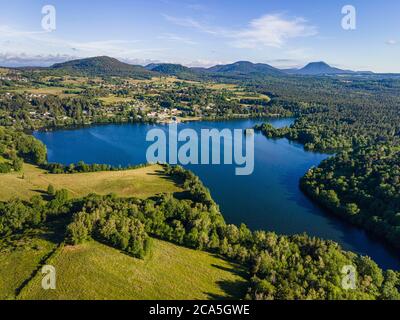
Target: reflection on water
point(268, 199)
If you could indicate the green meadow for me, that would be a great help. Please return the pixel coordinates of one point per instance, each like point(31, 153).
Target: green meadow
point(142, 183)
point(96, 271)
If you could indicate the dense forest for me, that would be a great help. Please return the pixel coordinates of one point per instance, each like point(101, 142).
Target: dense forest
point(17, 147)
point(355, 117)
point(363, 186)
point(359, 120)
point(279, 267)
point(336, 114)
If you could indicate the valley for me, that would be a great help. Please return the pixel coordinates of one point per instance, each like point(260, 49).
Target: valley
point(246, 238)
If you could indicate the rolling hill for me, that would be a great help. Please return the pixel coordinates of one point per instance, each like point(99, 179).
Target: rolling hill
point(318, 68)
point(95, 271)
point(104, 66)
point(245, 68)
point(176, 70)
point(168, 68)
point(107, 66)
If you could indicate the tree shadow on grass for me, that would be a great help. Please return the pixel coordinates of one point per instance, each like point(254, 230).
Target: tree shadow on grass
point(45, 196)
point(55, 230)
point(160, 173)
point(234, 268)
point(178, 182)
point(41, 263)
point(233, 289)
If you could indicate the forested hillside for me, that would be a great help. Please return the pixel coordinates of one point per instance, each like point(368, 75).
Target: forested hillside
point(359, 119)
point(337, 113)
point(16, 147)
point(363, 186)
point(280, 267)
point(103, 66)
point(354, 117)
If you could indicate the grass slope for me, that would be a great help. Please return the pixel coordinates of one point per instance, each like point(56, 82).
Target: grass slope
point(21, 255)
point(142, 182)
point(96, 271)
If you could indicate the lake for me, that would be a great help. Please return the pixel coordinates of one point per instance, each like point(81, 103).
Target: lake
point(269, 199)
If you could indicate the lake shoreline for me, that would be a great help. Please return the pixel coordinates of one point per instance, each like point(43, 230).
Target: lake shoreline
point(124, 144)
point(129, 122)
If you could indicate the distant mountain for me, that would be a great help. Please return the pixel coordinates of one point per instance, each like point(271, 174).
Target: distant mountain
point(104, 66)
point(107, 66)
point(318, 68)
point(199, 69)
point(168, 68)
point(245, 68)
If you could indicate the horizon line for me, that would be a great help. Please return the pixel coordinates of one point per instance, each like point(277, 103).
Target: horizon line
point(64, 59)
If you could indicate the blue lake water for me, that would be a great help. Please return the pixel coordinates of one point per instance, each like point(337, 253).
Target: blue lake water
point(269, 199)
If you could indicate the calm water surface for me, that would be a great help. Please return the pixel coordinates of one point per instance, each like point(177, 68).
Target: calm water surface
point(268, 199)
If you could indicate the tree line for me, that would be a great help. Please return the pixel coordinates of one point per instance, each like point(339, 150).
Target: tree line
point(17, 147)
point(357, 118)
point(82, 167)
point(362, 186)
point(279, 267)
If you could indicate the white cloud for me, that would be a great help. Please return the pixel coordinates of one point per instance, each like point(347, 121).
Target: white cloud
point(392, 42)
point(47, 43)
point(8, 32)
point(205, 63)
point(285, 63)
point(176, 38)
point(271, 30)
point(23, 59)
point(194, 24)
point(138, 61)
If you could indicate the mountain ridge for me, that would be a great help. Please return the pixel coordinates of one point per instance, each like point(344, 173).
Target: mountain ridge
point(245, 67)
point(108, 66)
point(103, 66)
point(319, 68)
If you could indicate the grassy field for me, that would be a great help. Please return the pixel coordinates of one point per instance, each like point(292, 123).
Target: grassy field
point(20, 257)
point(143, 183)
point(221, 86)
point(246, 95)
point(95, 271)
point(114, 99)
point(59, 91)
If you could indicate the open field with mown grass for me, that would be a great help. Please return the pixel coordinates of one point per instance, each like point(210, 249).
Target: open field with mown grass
point(96, 271)
point(142, 183)
point(114, 99)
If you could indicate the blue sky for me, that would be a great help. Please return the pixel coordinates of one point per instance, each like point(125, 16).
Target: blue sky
point(284, 33)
